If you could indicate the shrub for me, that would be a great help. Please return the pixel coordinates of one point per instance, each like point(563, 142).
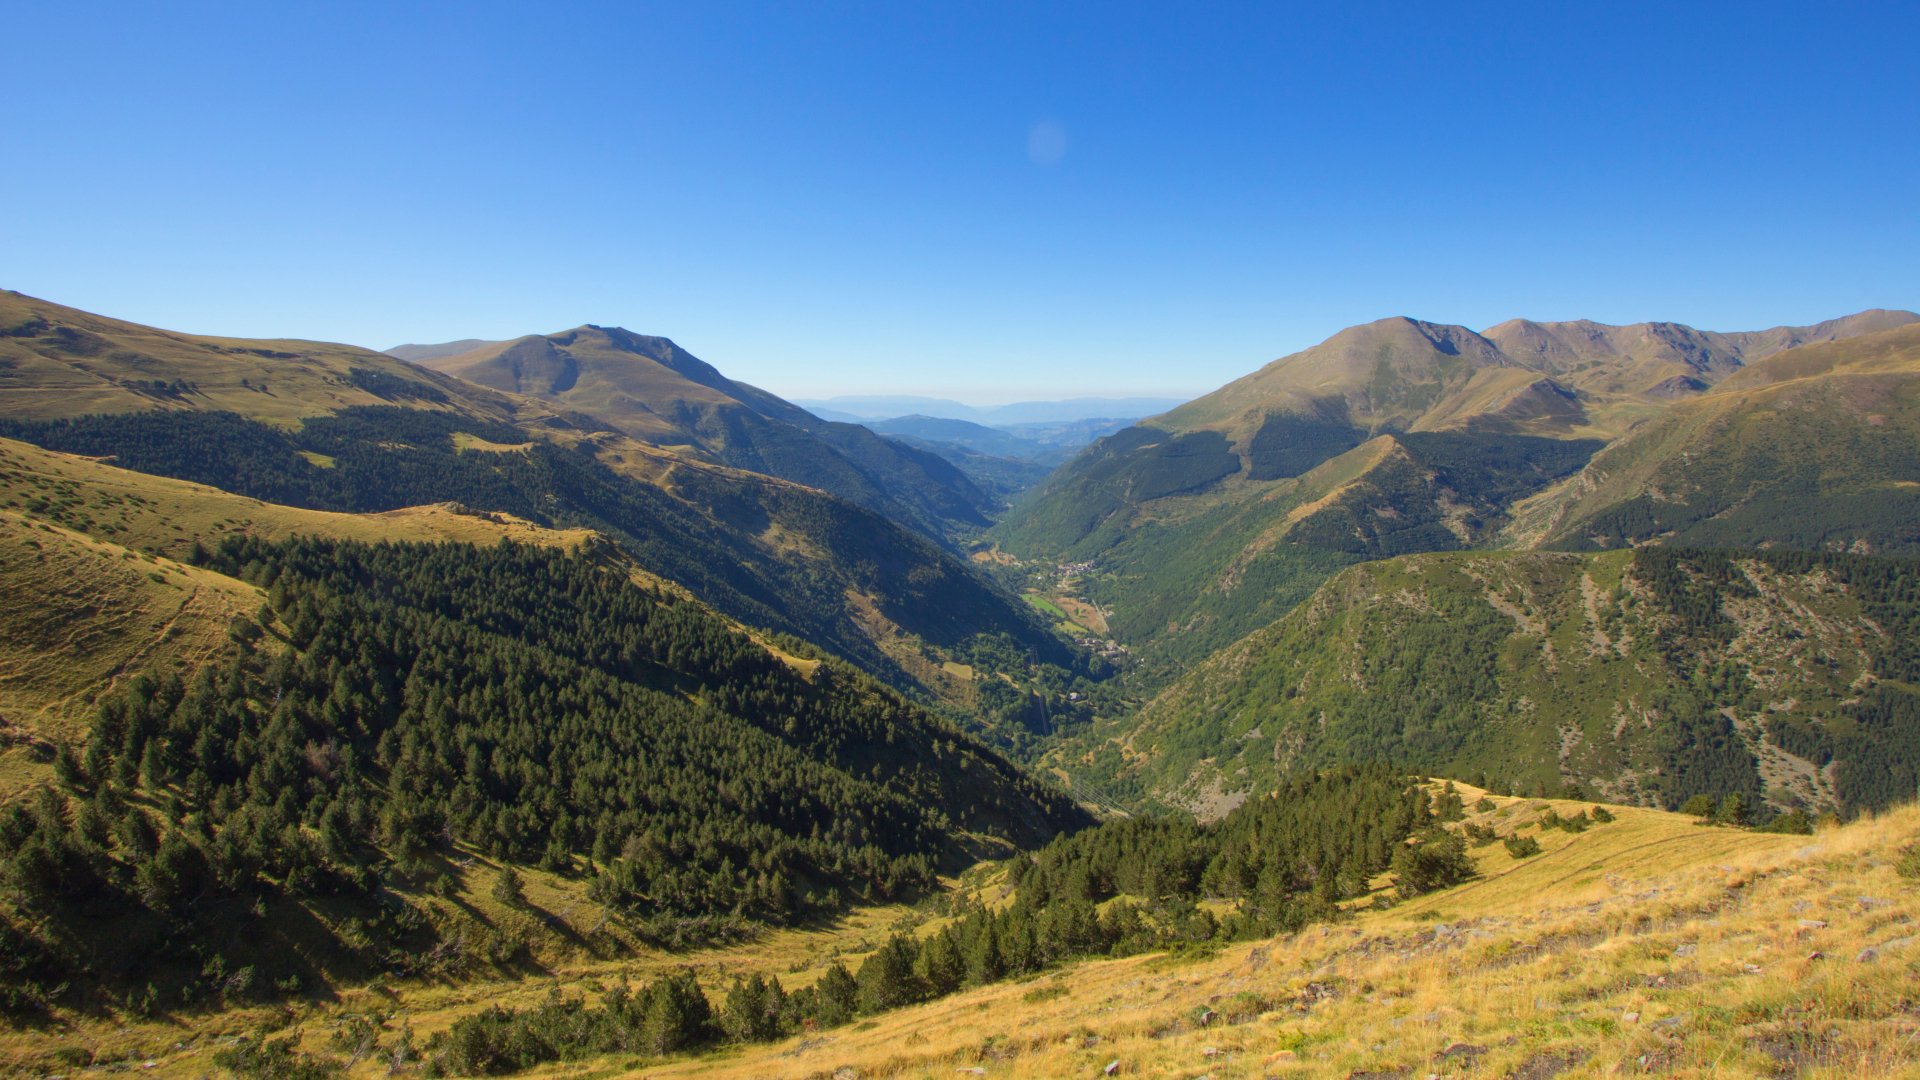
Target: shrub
point(1434, 861)
point(1521, 847)
point(1794, 822)
point(1700, 806)
point(506, 888)
point(274, 1059)
point(1734, 810)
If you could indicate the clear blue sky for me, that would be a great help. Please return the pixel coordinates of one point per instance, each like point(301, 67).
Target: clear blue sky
point(983, 201)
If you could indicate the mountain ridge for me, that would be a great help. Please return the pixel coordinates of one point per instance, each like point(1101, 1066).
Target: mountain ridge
point(650, 388)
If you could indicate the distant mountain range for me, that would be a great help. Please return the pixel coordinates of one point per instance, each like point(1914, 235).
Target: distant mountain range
point(881, 407)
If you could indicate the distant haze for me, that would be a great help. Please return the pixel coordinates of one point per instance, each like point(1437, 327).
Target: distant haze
point(886, 407)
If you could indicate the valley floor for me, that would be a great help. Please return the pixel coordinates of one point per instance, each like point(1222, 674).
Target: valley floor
point(1650, 944)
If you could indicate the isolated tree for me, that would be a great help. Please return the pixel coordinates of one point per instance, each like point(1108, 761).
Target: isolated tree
point(507, 889)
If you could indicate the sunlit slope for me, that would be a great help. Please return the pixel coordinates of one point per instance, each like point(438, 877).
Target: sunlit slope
point(653, 390)
point(79, 615)
point(335, 428)
point(166, 516)
point(1663, 359)
point(1650, 943)
point(1651, 676)
point(59, 361)
point(96, 589)
point(1184, 576)
point(1205, 522)
point(1813, 447)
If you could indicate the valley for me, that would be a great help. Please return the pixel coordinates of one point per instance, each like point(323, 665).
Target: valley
point(959, 542)
point(560, 705)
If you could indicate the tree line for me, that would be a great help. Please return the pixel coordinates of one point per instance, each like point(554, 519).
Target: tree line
point(1120, 888)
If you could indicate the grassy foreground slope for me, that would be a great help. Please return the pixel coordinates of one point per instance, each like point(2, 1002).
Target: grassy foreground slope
point(78, 616)
point(1649, 944)
point(1651, 676)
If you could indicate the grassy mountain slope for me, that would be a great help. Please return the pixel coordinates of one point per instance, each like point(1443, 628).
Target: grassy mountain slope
point(1190, 572)
point(1402, 436)
point(1621, 369)
point(97, 589)
point(1651, 676)
point(1216, 517)
point(1813, 447)
point(1649, 944)
point(80, 616)
point(292, 426)
point(57, 361)
point(653, 390)
point(414, 354)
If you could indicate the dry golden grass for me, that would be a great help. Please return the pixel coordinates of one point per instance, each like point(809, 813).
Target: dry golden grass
point(1650, 944)
point(165, 516)
point(61, 361)
point(79, 615)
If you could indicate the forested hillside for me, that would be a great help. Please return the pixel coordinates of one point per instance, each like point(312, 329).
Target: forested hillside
point(1650, 676)
point(1197, 573)
point(523, 704)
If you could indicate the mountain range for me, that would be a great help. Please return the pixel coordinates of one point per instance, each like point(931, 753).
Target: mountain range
point(337, 428)
point(1221, 529)
point(861, 408)
point(321, 665)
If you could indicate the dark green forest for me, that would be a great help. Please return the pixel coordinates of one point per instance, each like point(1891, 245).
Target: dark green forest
point(528, 705)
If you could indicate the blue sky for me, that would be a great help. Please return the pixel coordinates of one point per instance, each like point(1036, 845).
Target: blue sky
point(991, 202)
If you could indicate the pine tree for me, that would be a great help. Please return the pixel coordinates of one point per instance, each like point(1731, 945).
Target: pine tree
point(507, 889)
point(677, 1015)
point(886, 979)
point(838, 995)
